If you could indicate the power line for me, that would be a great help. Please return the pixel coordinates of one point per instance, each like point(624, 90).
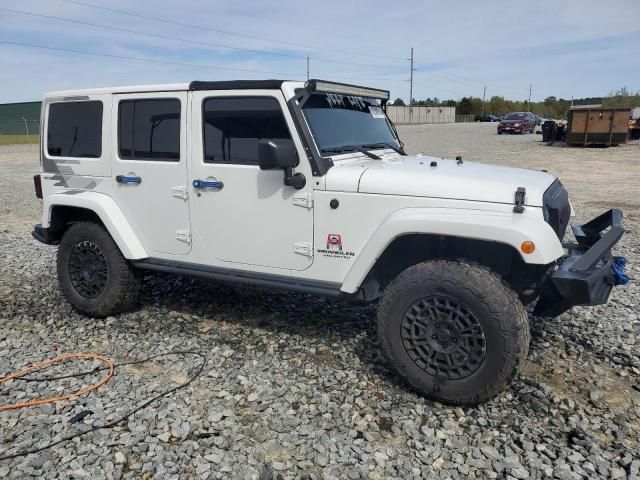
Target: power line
point(141, 59)
point(224, 32)
point(184, 64)
point(446, 77)
point(186, 40)
point(502, 92)
point(456, 92)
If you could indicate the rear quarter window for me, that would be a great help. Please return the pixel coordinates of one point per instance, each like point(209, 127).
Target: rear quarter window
point(74, 129)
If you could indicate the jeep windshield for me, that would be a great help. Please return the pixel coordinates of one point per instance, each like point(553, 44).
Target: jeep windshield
point(344, 123)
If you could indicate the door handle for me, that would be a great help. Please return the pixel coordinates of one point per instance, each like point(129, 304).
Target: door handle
point(208, 184)
point(128, 180)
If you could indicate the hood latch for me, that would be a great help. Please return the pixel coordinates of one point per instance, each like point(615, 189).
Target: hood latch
point(519, 200)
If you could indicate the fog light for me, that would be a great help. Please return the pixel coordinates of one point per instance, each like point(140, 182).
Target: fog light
point(527, 247)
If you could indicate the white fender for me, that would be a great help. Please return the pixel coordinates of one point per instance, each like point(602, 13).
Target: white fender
point(502, 227)
point(107, 209)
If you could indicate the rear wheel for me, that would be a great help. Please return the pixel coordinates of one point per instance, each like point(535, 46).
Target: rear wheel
point(453, 330)
point(93, 275)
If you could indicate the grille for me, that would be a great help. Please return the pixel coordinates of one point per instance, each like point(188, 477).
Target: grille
point(557, 209)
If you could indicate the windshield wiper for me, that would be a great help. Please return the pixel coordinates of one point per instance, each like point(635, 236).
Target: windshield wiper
point(351, 148)
point(388, 145)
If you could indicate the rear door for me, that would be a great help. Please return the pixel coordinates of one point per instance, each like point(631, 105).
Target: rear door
point(150, 168)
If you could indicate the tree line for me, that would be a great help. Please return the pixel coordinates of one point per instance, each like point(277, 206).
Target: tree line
point(550, 107)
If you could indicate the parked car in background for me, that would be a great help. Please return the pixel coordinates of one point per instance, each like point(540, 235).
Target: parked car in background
point(540, 124)
point(517, 122)
point(485, 118)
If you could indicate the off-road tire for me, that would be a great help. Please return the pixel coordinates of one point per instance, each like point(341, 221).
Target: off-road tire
point(478, 290)
point(120, 284)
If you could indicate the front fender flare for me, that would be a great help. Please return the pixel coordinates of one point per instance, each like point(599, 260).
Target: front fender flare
point(109, 213)
point(501, 227)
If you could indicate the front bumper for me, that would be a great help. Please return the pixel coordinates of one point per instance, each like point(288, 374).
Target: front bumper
point(511, 129)
point(588, 274)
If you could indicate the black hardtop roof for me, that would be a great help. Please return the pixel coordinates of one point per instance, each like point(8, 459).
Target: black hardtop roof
point(236, 85)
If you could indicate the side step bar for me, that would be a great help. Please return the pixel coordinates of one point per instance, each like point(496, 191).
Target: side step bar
point(277, 282)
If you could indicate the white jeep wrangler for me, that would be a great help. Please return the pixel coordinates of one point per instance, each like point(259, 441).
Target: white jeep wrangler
point(306, 187)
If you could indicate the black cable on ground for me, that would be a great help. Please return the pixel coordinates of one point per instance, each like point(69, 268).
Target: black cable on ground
point(120, 419)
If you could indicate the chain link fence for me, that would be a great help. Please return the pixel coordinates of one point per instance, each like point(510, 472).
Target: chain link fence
point(20, 122)
point(22, 131)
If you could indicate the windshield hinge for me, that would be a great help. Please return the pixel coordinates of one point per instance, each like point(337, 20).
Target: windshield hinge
point(303, 200)
point(519, 200)
point(303, 248)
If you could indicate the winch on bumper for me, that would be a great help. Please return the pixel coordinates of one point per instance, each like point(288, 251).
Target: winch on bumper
point(587, 275)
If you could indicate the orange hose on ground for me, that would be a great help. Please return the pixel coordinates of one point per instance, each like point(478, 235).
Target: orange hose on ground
point(46, 363)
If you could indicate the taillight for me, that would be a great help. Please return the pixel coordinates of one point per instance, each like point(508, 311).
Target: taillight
point(37, 184)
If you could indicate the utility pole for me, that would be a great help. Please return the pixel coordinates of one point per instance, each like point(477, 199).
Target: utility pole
point(529, 97)
point(411, 87)
point(307, 67)
point(484, 93)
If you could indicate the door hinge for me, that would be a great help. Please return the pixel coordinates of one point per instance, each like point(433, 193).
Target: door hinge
point(180, 192)
point(303, 200)
point(183, 236)
point(303, 248)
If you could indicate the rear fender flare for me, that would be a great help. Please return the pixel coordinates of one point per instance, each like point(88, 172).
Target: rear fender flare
point(109, 213)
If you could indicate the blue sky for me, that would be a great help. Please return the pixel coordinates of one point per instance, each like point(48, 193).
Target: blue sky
point(563, 48)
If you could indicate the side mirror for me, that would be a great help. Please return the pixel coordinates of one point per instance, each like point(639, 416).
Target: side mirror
point(276, 153)
point(281, 153)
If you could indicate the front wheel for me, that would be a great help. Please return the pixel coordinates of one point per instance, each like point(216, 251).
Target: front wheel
point(93, 275)
point(453, 330)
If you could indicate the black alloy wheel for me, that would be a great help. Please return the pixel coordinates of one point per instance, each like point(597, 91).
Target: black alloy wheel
point(453, 330)
point(93, 274)
point(87, 269)
point(443, 337)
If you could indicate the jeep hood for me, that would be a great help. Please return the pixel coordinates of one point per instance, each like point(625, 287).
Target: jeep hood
point(414, 176)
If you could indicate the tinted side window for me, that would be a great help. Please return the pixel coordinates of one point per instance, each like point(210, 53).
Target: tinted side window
point(149, 129)
point(233, 126)
point(74, 129)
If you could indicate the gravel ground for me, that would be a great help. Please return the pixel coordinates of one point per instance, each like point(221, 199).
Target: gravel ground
point(295, 386)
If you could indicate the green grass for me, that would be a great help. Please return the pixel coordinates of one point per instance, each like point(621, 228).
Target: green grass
point(17, 139)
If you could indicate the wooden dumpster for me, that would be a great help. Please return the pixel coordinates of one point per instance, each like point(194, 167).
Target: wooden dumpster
point(596, 125)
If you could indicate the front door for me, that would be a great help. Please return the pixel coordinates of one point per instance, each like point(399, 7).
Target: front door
point(244, 215)
point(150, 170)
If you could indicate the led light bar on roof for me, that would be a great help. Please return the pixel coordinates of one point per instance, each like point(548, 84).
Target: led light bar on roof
point(323, 86)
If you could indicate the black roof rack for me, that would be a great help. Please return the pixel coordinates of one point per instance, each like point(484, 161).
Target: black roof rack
point(237, 85)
